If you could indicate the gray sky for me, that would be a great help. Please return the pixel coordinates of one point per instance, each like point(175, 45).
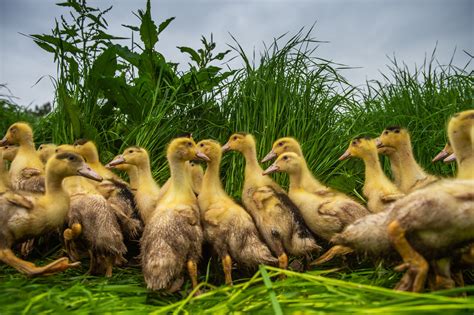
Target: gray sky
point(361, 33)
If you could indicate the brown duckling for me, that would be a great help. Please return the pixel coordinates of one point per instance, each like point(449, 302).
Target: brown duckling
point(408, 175)
point(26, 170)
point(172, 237)
point(92, 225)
point(378, 189)
point(147, 190)
point(432, 222)
point(277, 218)
point(444, 153)
point(45, 151)
point(325, 211)
point(24, 217)
point(7, 153)
point(226, 225)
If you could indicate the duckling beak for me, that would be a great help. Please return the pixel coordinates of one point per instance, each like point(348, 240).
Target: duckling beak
point(270, 156)
point(271, 169)
point(450, 158)
point(3, 142)
point(378, 143)
point(226, 147)
point(87, 172)
point(202, 156)
point(441, 155)
point(345, 156)
point(118, 160)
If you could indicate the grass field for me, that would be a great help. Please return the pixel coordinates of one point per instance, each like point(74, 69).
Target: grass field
point(126, 95)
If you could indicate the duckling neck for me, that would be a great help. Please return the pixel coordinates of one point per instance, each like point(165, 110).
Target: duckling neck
point(133, 178)
point(3, 176)
point(144, 177)
point(302, 178)
point(408, 169)
point(465, 167)
point(180, 179)
point(252, 168)
point(26, 146)
point(211, 182)
point(374, 174)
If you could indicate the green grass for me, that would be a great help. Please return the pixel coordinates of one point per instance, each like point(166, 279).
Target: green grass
point(363, 290)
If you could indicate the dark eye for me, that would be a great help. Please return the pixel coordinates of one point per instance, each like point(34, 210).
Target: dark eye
point(397, 131)
point(285, 158)
point(56, 151)
point(385, 132)
point(189, 144)
point(280, 144)
point(71, 158)
point(235, 137)
point(130, 151)
point(354, 142)
point(201, 145)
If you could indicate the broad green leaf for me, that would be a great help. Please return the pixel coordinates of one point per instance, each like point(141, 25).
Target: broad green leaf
point(148, 31)
point(194, 55)
point(164, 25)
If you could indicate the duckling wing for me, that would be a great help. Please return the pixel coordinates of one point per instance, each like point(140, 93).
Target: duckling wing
point(30, 179)
point(391, 197)
point(26, 202)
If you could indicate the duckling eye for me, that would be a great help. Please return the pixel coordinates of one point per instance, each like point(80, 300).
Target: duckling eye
point(189, 144)
point(354, 142)
point(201, 145)
point(285, 158)
point(130, 151)
point(397, 131)
point(71, 158)
point(235, 137)
point(385, 132)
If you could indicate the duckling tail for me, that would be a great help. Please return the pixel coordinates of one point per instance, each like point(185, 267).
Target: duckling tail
point(254, 252)
point(334, 251)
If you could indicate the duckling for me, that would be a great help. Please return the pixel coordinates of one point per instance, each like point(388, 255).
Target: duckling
point(197, 173)
point(378, 189)
point(325, 213)
point(130, 170)
point(172, 237)
point(26, 170)
point(45, 151)
point(408, 175)
point(227, 226)
point(116, 191)
point(444, 153)
point(278, 220)
point(148, 191)
point(24, 217)
point(432, 222)
point(7, 153)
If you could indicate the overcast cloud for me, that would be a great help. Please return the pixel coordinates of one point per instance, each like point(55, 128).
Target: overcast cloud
point(361, 33)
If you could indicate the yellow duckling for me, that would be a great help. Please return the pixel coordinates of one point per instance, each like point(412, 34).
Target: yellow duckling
point(26, 170)
point(24, 217)
point(131, 171)
point(434, 221)
point(227, 226)
point(172, 237)
point(45, 151)
point(278, 220)
point(325, 211)
point(378, 189)
point(408, 175)
point(147, 190)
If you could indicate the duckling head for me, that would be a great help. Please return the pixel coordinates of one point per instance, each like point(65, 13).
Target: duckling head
point(444, 153)
point(67, 164)
point(131, 156)
point(64, 148)
point(211, 148)
point(87, 149)
point(239, 141)
point(18, 133)
point(461, 134)
point(288, 162)
point(184, 149)
point(8, 152)
point(392, 139)
point(359, 147)
point(45, 151)
point(282, 145)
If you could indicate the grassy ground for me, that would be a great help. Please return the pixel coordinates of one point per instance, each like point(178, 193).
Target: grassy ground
point(331, 291)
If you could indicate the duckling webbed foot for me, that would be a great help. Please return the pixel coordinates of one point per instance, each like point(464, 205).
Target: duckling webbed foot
point(415, 265)
point(30, 269)
point(192, 270)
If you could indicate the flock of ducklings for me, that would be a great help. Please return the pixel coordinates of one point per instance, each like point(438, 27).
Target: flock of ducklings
point(426, 221)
